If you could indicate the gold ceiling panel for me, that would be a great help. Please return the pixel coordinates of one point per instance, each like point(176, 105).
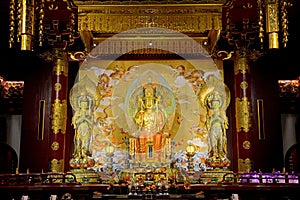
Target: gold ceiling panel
point(148, 2)
point(187, 18)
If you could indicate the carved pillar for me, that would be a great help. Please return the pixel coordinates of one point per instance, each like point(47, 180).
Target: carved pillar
point(59, 33)
point(272, 23)
point(22, 24)
point(276, 21)
point(59, 111)
point(243, 112)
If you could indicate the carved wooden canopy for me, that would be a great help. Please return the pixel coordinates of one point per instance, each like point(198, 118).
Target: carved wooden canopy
point(201, 20)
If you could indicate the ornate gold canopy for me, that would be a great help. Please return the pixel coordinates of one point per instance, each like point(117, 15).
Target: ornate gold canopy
point(98, 20)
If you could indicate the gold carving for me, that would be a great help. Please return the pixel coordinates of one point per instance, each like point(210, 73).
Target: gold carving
point(77, 56)
point(85, 175)
point(61, 62)
point(26, 28)
point(273, 41)
point(57, 165)
point(247, 144)
point(244, 165)
point(57, 87)
point(244, 85)
point(61, 67)
point(59, 113)
point(284, 22)
point(41, 25)
point(243, 114)
point(272, 23)
point(192, 18)
point(214, 176)
point(272, 17)
point(130, 2)
point(224, 55)
point(261, 22)
point(241, 63)
point(55, 146)
point(12, 23)
point(53, 7)
point(95, 25)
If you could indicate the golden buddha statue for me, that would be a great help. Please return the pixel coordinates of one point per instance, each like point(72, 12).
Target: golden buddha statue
point(150, 121)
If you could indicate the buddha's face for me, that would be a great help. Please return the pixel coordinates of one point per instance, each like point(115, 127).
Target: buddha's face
point(149, 102)
point(215, 104)
point(84, 105)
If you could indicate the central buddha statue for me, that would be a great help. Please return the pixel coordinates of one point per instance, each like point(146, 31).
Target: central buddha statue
point(150, 122)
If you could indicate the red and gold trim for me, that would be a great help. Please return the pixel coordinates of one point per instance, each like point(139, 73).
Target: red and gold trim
point(59, 111)
point(243, 112)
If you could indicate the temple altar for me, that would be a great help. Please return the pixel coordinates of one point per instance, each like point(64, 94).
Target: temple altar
point(146, 115)
point(252, 186)
point(149, 114)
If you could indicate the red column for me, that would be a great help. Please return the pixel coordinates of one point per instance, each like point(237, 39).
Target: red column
point(58, 111)
point(244, 131)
